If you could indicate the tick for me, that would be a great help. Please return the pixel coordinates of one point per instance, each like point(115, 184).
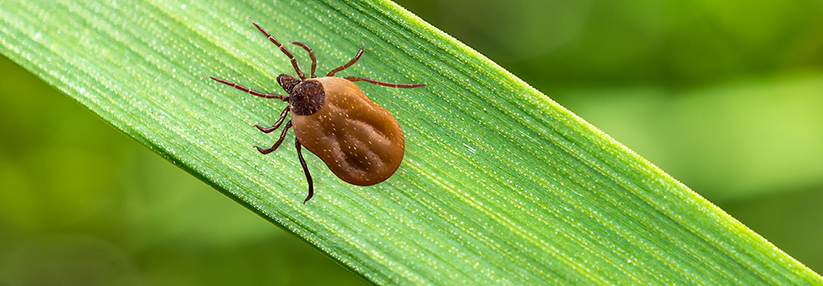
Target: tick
point(357, 139)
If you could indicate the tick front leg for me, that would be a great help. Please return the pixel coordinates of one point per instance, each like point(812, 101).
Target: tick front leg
point(276, 124)
point(283, 49)
point(251, 91)
point(383, 83)
point(311, 55)
point(279, 141)
point(305, 170)
point(350, 63)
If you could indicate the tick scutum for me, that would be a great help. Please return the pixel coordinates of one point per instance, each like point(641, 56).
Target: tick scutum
point(307, 97)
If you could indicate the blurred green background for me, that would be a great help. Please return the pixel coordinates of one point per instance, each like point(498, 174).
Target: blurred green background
point(726, 96)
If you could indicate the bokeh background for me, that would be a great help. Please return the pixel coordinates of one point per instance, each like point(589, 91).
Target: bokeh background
point(726, 96)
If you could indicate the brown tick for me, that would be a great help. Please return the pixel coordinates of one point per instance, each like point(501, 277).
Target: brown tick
point(358, 140)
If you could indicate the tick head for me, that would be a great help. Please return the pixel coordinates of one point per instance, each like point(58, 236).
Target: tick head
point(307, 97)
point(287, 82)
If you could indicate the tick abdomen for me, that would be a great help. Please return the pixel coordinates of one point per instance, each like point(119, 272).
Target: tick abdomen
point(359, 141)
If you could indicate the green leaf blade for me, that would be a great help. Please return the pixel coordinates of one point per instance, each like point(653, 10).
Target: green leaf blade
point(500, 185)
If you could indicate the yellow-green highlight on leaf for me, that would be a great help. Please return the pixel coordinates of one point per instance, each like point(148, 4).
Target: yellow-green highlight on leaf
point(500, 185)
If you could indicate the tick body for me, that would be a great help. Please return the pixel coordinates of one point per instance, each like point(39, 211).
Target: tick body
point(357, 139)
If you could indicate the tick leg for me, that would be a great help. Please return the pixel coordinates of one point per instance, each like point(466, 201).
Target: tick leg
point(279, 141)
point(283, 49)
point(250, 91)
point(311, 55)
point(276, 124)
point(389, 84)
point(350, 63)
point(305, 170)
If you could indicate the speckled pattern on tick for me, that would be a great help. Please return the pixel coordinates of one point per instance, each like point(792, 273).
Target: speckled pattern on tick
point(358, 140)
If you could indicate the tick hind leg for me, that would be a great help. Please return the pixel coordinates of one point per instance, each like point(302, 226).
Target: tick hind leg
point(305, 170)
point(279, 141)
point(276, 124)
